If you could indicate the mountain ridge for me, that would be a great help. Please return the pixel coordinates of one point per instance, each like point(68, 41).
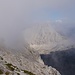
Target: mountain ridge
point(21, 64)
point(43, 39)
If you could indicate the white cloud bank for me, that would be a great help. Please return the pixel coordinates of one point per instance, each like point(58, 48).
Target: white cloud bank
point(15, 15)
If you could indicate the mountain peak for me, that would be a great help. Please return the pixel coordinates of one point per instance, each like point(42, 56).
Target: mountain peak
point(43, 38)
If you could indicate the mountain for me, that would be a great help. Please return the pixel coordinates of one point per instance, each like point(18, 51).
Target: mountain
point(44, 39)
point(25, 58)
point(22, 62)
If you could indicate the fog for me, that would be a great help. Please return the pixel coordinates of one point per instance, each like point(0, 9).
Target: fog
point(17, 15)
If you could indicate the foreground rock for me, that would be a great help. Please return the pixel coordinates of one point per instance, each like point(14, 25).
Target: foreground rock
point(20, 64)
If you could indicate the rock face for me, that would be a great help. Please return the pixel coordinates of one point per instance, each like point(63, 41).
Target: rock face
point(23, 63)
point(44, 39)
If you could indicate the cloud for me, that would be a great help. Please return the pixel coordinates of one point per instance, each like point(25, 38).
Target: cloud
point(59, 21)
point(16, 15)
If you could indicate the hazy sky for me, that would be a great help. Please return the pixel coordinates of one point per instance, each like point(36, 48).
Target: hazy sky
point(16, 15)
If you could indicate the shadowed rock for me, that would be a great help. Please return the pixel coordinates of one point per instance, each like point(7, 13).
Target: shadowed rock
point(63, 61)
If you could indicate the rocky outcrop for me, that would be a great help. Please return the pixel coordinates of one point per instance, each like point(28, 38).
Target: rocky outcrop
point(20, 64)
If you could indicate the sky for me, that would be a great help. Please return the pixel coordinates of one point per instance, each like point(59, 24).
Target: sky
point(17, 15)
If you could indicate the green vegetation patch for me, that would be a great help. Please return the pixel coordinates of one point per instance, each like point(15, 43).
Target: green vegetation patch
point(18, 74)
point(1, 58)
point(7, 73)
point(10, 66)
point(1, 72)
point(27, 72)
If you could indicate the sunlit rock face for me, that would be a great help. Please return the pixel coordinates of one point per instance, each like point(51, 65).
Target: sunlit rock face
point(44, 39)
point(23, 63)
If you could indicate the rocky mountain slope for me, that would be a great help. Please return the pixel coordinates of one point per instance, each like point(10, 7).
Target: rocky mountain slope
point(44, 39)
point(26, 60)
point(23, 63)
